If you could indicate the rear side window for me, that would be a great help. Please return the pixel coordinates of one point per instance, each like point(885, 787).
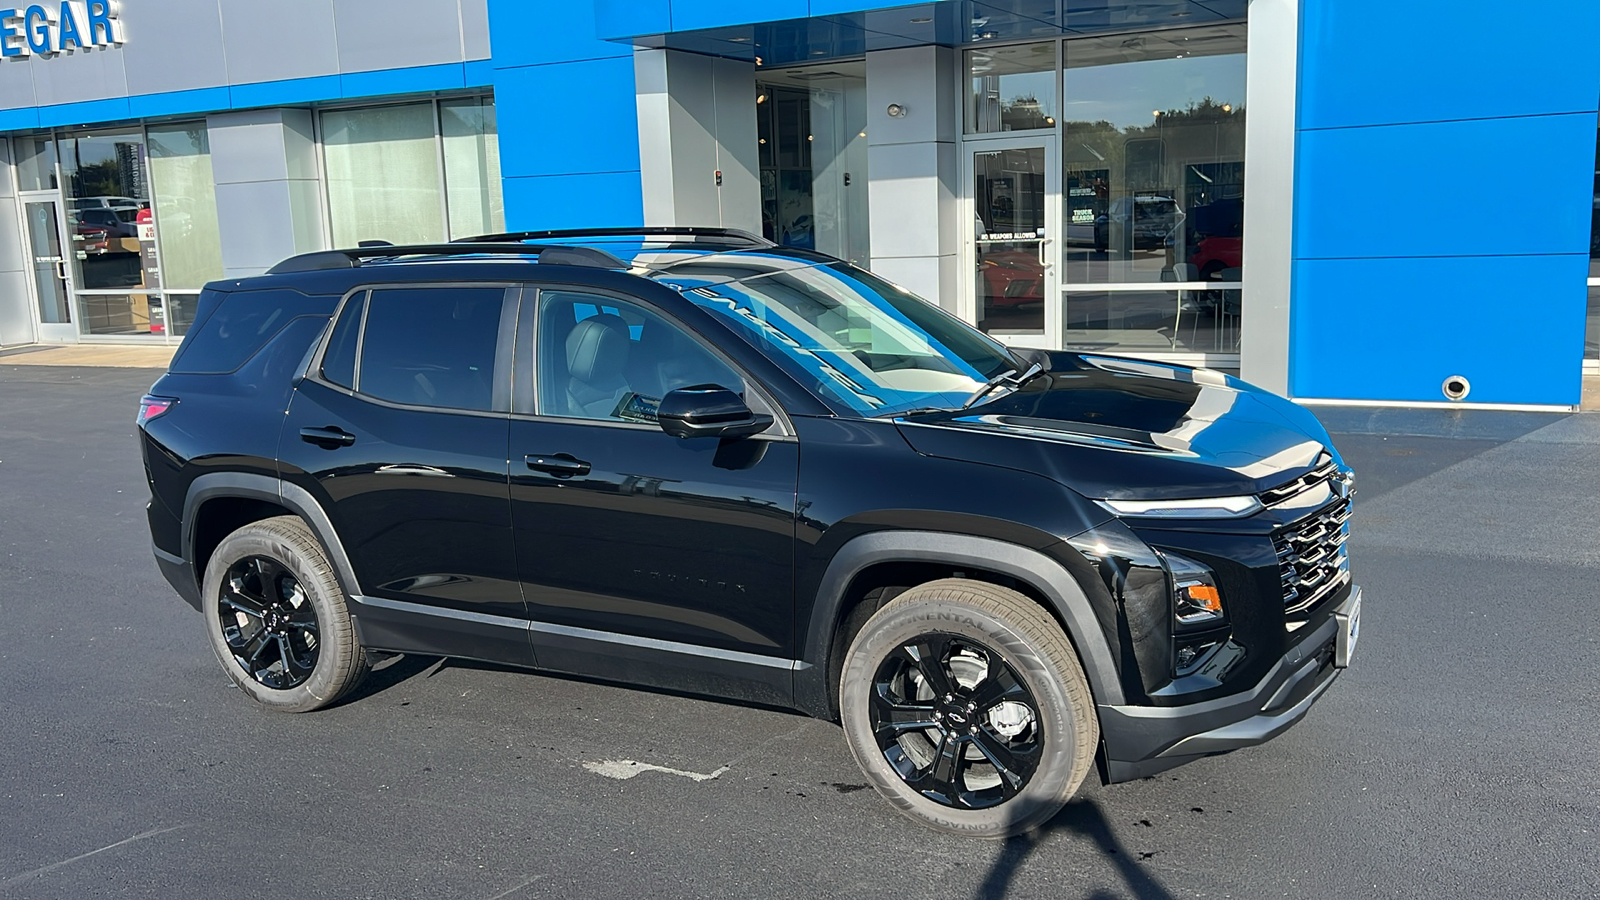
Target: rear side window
point(240, 325)
point(431, 346)
point(339, 363)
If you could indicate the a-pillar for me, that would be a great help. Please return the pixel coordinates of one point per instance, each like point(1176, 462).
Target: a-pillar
point(913, 172)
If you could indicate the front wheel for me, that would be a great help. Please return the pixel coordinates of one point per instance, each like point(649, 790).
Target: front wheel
point(277, 619)
point(966, 707)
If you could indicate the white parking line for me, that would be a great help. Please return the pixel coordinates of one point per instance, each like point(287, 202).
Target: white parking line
point(623, 769)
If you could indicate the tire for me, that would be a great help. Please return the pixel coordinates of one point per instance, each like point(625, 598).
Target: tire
point(993, 647)
point(277, 620)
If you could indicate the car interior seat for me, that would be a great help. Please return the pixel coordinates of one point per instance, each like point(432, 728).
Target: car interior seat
point(597, 361)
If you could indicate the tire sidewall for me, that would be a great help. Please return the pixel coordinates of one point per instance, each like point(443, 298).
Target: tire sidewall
point(1051, 784)
point(321, 687)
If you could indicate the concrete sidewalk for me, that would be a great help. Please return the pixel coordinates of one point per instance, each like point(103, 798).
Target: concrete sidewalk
point(97, 355)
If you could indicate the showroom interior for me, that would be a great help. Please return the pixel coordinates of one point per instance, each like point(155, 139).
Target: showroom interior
point(1226, 183)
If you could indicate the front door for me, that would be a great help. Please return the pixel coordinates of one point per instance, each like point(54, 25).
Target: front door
point(637, 549)
point(50, 266)
point(1013, 186)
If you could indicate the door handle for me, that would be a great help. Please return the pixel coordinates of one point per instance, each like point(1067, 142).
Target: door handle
point(327, 438)
point(561, 465)
point(1044, 262)
point(425, 471)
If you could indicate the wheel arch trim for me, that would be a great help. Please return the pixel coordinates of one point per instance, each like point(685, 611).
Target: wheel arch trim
point(1025, 564)
point(251, 486)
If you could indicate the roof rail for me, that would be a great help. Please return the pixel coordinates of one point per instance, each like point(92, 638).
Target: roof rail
point(724, 235)
point(549, 254)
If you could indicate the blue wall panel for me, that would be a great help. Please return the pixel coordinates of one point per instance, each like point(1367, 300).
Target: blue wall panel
point(1463, 188)
point(629, 18)
point(567, 118)
point(19, 119)
point(1442, 199)
point(530, 34)
point(570, 117)
point(414, 80)
point(290, 92)
point(688, 15)
point(1379, 61)
point(179, 103)
point(574, 201)
point(1394, 329)
point(112, 110)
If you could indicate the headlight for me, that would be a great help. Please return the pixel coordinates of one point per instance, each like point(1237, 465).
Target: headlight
point(1203, 508)
point(1196, 602)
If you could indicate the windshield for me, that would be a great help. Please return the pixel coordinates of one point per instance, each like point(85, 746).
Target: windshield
point(858, 340)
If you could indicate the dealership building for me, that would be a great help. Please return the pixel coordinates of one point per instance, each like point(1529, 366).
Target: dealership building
point(1348, 201)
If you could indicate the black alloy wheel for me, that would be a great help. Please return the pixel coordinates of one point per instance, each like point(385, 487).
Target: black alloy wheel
point(269, 623)
point(955, 721)
point(967, 708)
point(278, 618)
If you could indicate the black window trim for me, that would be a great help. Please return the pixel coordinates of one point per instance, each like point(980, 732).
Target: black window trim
point(500, 405)
point(526, 354)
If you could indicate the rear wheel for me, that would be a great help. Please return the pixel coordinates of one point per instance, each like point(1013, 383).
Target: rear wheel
point(967, 708)
point(277, 619)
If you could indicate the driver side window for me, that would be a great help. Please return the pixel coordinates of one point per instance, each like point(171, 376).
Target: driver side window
point(607, 359)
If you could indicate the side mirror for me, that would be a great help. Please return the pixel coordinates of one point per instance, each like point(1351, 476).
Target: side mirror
point(707, 410)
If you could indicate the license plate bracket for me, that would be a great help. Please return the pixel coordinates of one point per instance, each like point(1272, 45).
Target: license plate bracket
point(1348, 618)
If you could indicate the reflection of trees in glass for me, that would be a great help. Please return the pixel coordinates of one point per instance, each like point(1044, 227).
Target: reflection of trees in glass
point(1206, 131)
point(1025, 111)
point(99, 179)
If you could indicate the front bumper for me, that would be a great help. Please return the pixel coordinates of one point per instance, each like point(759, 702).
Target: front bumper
point(1143, 740)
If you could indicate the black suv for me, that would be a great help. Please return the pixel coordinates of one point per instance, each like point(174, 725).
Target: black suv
point(688, 458)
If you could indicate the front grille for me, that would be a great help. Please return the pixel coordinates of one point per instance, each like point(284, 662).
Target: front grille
point(1325, 470)
point(1312, 557)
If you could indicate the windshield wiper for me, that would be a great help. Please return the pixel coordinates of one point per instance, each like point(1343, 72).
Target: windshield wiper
point(1008, 378)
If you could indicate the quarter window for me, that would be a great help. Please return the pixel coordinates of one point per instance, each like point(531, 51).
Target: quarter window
point(431, 346)
point(339, 363)
point(602, 358)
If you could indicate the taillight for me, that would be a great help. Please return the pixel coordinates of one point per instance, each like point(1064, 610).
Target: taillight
point(152, 406)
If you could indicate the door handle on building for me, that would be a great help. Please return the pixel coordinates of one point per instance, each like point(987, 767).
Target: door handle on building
point(1043, 260)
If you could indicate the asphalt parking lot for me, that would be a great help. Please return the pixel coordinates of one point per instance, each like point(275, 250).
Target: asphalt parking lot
point(1456, 758)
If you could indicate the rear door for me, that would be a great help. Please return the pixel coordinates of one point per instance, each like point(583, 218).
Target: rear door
point(400, 433)
point(645, 557)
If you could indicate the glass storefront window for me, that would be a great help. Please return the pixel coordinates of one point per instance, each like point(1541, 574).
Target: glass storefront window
point(1153, 156)
point(1009, 226)
point(1591, 344)
point(383, 174)
point(106, 180)
point(1591, 332)
point(812, 144)
point(185, 215)
point(472, 167)
point(1153, 321)
point(1011, 88)
point(36, 163)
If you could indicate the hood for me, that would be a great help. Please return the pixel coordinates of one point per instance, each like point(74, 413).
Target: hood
point(1125, 429)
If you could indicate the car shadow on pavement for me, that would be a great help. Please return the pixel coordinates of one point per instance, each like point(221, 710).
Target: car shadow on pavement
point(388, 671)
point(1084, 817)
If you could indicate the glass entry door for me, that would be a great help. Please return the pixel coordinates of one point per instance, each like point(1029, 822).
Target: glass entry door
point(49, 261)
point(1014, 188)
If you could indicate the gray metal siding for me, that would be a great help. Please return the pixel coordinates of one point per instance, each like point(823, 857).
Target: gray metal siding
point(276, 41)
point(384, 34)
point(171, 47)
point(181, 45)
